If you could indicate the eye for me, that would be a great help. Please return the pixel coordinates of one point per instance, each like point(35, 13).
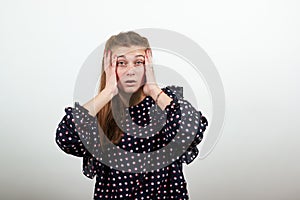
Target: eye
point(121, 64)
point(139, 63)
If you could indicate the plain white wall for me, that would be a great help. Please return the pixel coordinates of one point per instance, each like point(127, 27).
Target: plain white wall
point(254, 45)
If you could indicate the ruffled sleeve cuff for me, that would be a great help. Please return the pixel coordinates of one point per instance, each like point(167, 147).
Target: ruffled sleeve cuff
point(77, 134)
point(90, 167)
point(191, 153)
point(86, 126)
point(186, 124)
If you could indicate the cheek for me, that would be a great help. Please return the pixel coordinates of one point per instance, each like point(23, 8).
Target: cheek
point(141, 74)
point(118, 74)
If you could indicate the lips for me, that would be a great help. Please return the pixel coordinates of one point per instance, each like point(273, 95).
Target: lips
point(130, 81)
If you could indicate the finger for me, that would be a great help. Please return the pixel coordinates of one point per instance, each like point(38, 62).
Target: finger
point(106, 59)
point(109, 58)
point(104, 55)
point(149, 53)
point(114, 61)
point(148, 60)
point(107, 53)
point(150, 56)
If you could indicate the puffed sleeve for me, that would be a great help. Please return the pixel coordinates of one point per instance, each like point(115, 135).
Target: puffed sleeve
point(192, 151)
point(76, 131)
point(67, 137)
point(184, 119)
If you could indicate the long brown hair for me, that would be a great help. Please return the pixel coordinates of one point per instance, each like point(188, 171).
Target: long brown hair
point(105, 116)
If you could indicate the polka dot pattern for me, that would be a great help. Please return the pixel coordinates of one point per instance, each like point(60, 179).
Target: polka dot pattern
point(183, 123)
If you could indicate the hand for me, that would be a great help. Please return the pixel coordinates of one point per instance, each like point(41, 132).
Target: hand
point(150, 83)
point(110, 71)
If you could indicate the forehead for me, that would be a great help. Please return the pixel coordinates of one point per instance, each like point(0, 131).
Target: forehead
point(129, 51)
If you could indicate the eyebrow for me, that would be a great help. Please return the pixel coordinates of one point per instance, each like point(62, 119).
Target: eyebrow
point(122, 56)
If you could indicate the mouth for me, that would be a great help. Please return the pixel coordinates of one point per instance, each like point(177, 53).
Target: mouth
point(130, 81)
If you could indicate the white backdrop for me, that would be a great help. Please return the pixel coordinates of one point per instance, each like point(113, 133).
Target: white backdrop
point(254, 45)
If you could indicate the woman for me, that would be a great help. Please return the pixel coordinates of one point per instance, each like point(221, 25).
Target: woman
point(130, 105)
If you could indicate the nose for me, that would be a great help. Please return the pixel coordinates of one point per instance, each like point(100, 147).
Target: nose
point(130, 69)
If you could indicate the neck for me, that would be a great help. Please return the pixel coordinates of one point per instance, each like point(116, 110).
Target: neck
point(125, 98)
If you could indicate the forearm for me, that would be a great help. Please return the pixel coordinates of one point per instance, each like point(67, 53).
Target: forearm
point(98, 102)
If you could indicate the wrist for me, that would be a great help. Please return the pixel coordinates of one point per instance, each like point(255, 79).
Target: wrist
point(108, 93)
point(154, 92)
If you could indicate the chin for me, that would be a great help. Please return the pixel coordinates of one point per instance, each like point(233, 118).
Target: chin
point(129, 90)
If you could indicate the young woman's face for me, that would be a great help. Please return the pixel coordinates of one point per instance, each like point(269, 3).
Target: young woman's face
point(130, 68)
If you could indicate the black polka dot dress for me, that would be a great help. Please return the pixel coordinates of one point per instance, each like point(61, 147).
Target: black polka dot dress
point(147, 162)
